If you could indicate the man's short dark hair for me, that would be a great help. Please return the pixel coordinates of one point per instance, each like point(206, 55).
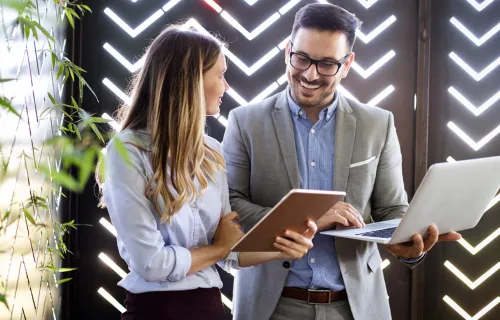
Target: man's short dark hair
point(327, 17)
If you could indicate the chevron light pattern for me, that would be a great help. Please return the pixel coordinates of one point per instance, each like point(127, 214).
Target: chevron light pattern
point(477, 41)
point(465, 315)
point(488, 106)
point(472, 284)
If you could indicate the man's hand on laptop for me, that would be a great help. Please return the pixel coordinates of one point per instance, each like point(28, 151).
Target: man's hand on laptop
point(418, 246)
point(342, 213)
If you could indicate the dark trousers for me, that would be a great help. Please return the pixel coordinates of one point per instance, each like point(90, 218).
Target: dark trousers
point(195, 304)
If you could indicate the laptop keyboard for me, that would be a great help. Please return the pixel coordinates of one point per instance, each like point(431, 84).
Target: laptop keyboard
point(382, 233)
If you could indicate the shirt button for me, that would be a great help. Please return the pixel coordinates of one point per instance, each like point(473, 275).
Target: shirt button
point(286, 265)
point(301, 112)
point(313, 260)
point(313, 131)
point(313, 164)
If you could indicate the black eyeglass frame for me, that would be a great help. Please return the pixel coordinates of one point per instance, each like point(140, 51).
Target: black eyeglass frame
point(316, 62)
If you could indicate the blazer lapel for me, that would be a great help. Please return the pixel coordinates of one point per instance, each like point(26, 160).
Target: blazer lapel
point(283, 124)
point(345, 132)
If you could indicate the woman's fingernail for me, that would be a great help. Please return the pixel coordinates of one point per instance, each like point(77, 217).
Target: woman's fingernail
point(287, 233)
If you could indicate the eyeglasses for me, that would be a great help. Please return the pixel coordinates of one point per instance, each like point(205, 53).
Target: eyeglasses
point(324, 67)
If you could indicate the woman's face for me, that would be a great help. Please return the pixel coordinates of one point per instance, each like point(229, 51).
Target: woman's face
point(214, 85)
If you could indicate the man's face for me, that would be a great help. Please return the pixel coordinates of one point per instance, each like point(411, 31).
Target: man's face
point(309, 88)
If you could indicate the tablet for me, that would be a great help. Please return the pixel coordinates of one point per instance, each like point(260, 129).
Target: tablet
point(291, 213)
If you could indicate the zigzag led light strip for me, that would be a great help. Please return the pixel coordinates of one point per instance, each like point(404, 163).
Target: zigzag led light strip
point(122, 273)
point(477, 41)
point(377, 65)
point(480, 6)
point(472, 72)
point(490, 238)
point(145, 24)
point(472, 108)
point(263, 26)
point(465, 315)
point(473, 144)
point(466, 280)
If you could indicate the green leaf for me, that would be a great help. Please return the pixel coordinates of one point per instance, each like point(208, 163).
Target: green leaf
point(86, 167)
point(61, 178)
point(96, 131)
point(61, 69)
point(6, 80)
point(65, 269)
point(122, 151)
point(51, 97)
point(54, 58)
point(75, 105)
point(70, 19)
point(44, 31)
point(63, 280)
point(98, 120)
point(75, 127)
point(5, 104)
point(3, 299)
point(86, 8)
point(29, 216)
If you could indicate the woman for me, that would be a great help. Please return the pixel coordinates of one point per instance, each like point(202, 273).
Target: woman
point(168, 200)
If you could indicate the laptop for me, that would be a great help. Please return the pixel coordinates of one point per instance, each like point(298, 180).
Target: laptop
point(453, 196)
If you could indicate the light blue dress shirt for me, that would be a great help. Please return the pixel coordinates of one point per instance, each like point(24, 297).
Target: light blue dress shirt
point(315, 145)
point(156, 253)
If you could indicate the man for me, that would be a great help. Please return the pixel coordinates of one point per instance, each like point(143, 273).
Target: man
point(310, 136)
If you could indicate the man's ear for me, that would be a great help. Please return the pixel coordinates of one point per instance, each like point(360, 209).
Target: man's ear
point(347, 65)
point(288, 48)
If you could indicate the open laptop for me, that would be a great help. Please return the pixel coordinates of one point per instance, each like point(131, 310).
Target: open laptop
point(453, 196)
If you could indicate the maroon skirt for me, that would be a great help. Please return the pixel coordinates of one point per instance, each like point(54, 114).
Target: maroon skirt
point(195, 304)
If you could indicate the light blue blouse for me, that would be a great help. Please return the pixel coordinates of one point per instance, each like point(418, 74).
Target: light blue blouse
point(157, 254)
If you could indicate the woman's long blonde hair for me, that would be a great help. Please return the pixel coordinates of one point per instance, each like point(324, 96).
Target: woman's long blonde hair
point(168, 101)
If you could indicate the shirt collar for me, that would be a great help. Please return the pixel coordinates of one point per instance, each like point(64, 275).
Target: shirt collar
point(326, 113)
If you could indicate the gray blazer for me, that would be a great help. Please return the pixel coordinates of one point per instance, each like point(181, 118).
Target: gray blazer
point(259, 148)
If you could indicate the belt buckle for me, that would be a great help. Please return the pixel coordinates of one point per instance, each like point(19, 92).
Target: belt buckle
point(318, 290)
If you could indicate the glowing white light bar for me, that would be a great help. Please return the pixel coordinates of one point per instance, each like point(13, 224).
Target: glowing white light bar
point(474, 145)
point(112, 122)
point(346, 93)
point(264, 94)
point(288, 6)
point(466, 280)
point(236, 96)
point(111, 300)
point(169, 5)
point(110, 263)
point(481, 245)
point(222, 120)
point(283, 79)
point(227, 302)
point(381, 96)
point(480, 6)
point(375, 32)
point(131, 67)
point(251, 2)
point(465, 315)
point(472, 72)
point(120, 94)
point(250, 35)
point(472, 108)
point(133, 32)
point(493, 202)
point(367, 3)
point(472, 37)
point(450, 159)
point(374, 67)
point(385, 264)
point(106, 224)
point(214, 5)
point(283, 43)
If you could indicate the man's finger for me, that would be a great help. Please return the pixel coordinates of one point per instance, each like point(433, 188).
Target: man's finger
point(351, 217)
point(418, 245)
point(452, 236)
point(311, 231)
point(432, 239)
point(292, 245)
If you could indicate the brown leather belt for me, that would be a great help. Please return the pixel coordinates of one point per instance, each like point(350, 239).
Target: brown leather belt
point(314, 296)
